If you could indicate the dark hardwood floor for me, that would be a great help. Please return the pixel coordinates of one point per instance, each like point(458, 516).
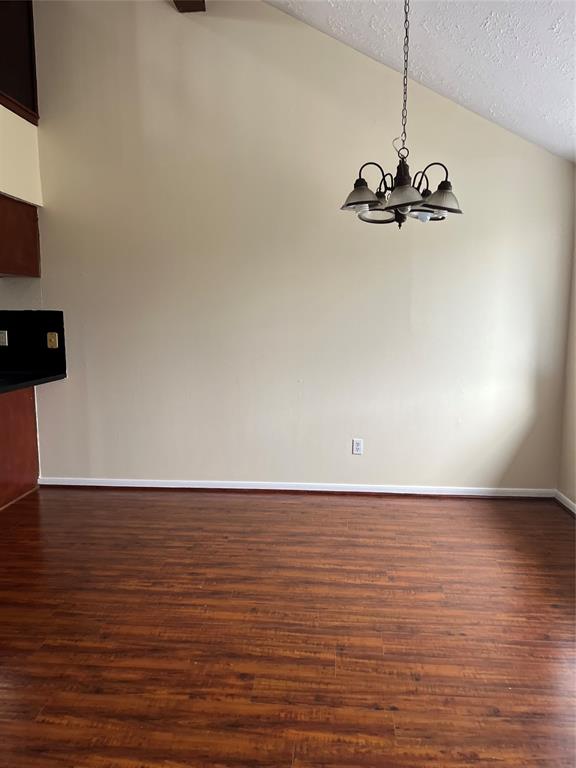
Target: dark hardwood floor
point(179, 629)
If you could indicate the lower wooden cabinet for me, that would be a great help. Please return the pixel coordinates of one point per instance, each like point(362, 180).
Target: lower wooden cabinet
point(18, 445)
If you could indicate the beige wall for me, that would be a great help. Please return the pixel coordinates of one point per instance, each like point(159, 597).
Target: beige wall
point(19, 163)
point(20, 293)
point(19, 177)
point(567, 482)
point(226, 322)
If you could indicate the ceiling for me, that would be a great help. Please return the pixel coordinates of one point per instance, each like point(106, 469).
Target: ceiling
point(511, 61)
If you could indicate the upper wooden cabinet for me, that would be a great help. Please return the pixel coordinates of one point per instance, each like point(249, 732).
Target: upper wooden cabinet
point(19, 239)
point(17, 59)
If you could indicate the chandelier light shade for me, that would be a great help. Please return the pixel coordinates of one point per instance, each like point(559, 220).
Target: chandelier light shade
point(360, 198)
point(403, 195)
point(398, 197)
point(443, 199)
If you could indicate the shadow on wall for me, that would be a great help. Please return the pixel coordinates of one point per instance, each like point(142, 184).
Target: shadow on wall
point(537, 446)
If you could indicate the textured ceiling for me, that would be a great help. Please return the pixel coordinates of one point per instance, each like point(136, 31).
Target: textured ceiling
point(512, 61)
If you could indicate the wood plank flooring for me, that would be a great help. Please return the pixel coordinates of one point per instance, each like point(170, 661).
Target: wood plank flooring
point(179, 629)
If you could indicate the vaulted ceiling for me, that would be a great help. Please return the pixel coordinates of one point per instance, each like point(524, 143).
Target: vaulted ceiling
point(511, 61)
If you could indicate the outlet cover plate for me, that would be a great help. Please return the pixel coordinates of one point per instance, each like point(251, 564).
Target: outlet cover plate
point(52, 339)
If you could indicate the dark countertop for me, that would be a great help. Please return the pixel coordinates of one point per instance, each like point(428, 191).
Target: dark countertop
point(25, 379)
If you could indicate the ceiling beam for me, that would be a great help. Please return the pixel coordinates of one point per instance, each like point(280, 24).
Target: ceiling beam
point(190, 6)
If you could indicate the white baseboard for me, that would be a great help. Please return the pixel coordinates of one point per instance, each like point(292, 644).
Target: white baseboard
point(565, 501)
point(423, 490)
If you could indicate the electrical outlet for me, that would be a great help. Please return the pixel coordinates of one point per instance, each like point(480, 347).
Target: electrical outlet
point(3, 338)
point(357, 446)
point(52, 339)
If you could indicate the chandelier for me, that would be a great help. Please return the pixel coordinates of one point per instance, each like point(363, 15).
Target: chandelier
point(398, 197)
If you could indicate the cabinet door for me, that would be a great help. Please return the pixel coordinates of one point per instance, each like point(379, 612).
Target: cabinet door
point(17, 59)
point(19, 239)
point(18, 445)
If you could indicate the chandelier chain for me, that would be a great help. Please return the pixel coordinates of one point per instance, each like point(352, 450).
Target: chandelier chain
point(405, 79)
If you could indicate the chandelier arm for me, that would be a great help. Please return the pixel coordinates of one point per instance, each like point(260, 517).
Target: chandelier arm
point(384, 186)
point(377, 165)
point(431, 165)
point(423, 177)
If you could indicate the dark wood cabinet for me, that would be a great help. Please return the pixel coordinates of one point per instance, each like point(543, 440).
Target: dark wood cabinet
point(18, 445)
point(17, 59)
point(19, 238)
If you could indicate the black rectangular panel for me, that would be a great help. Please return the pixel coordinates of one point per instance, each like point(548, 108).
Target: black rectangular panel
point(32, 348)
